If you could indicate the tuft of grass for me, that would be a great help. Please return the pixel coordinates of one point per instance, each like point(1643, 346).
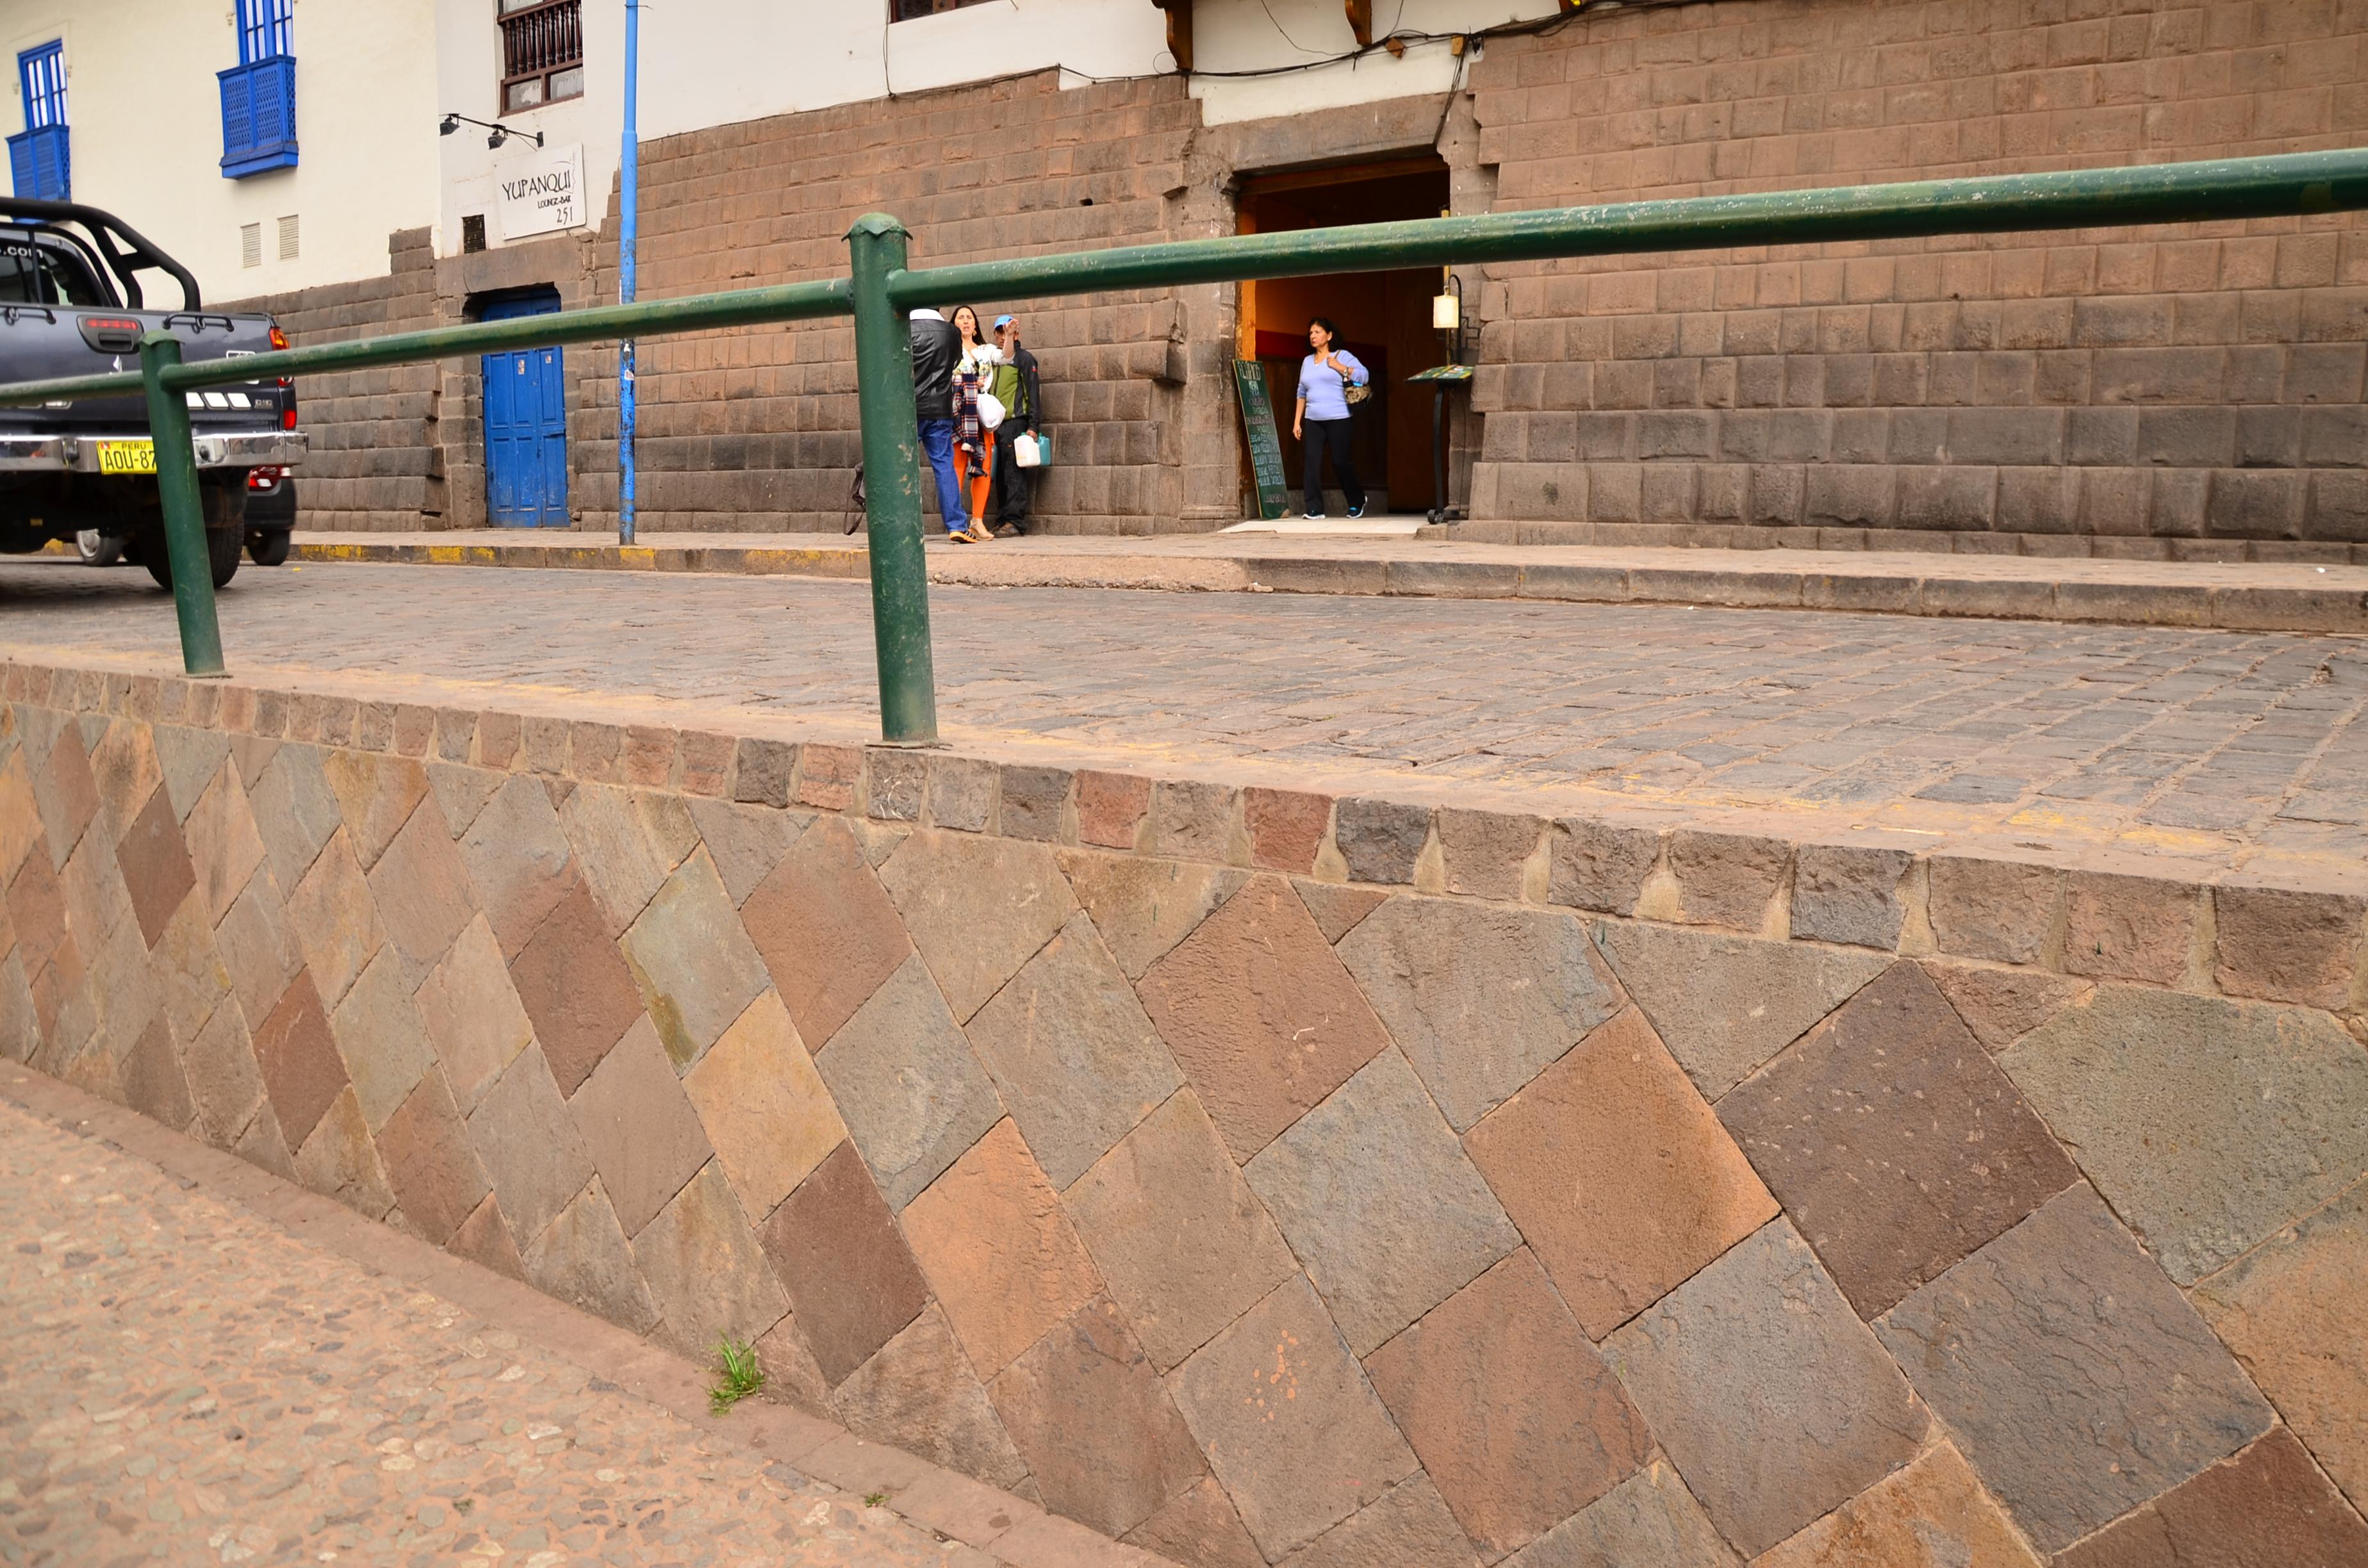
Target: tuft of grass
point(736, 1378)
point(874, 1499)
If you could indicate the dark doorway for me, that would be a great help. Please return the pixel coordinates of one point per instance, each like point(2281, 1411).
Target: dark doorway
point(1384, 317)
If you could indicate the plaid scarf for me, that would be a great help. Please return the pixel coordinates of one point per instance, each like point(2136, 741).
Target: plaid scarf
point(967, 384)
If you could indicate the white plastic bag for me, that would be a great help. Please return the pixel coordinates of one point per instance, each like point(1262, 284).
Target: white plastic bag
point(1026, 451)
point(990, 410)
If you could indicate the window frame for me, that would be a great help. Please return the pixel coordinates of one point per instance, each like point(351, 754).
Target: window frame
point(505, 19)
point(266, 22)
point(53, 100)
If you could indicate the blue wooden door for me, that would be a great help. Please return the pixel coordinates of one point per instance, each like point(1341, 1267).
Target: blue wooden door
point(525, 427)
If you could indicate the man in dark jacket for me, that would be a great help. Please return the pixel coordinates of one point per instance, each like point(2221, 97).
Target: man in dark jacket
point(1021, 390)
point(937, 349)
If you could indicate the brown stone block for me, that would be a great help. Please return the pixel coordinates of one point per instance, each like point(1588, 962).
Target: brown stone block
point(1287, 827)
point(339, 1161)
point(764, 1107)
point(1773, 1398)
point(827, 929)
point(499, 736)
point(1648, 1518)
point(577, 989)
point(1260, 1013)
point(2267, 1504)
point(1192, 819)
point(1618, 1174)
point(706, 1274)
point(962, 793)
point(1199, 1529)
point(1487, 854)
point(1410, 1525)
point(1511, 1410)
point(1000, 1255)
point(154, 860)
point(828, 776)
point(2294, 1314)
point(67, 795)
point(1894, 1140)
point(696, 967)
point(223, 843)
point(762, 772)
point(1094, 1424)
point(1142, 906)
point(977, 908)
point(2072, 1430)
point(1849, 893)
point(1035, 803)
point(519, 860)
point(2285, 945)
point(435, 1173)
point(1933, 1514)
point(639, 1127)
point(2128, 927)
point(2001, 910)
point(376, 796)
point(1380, 840)
point(1112, 807)
point(919, 1393)
point(1727, 878)
point(836, 1249)
point(303, 1072)
point(1599, 867)
point(702, 765)
point(1289, 1423)
point(2001, 1005)
point(153, 1081)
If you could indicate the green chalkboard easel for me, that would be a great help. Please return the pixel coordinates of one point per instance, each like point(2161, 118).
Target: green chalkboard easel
point(1265, 441)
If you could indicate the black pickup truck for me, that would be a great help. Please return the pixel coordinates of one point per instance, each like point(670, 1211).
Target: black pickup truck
point(71, 304)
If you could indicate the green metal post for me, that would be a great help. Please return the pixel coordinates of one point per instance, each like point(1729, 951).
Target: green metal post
point(892, 481)
point(185, 513)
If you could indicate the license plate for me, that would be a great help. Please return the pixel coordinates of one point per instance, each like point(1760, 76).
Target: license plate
point(127, 457)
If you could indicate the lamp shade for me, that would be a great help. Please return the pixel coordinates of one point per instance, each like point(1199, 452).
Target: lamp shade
point(1446, 312)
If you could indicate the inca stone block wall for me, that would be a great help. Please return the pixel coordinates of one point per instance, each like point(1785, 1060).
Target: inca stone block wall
point(2172, 392)
point(1258, 1176)
point(2186, 389)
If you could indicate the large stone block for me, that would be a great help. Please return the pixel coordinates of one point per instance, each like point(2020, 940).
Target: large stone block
point(155, 861)
point(764, 1107)
point(1619, 1173)
point(1069, 1047)
point(2209, 1123)
point(581, 1257)
point(696, 967)
point(2001, 1005)
point(837, 1251)
point(375, 795)
point(256, 946)
point(912, 1094)
point(2268, 1507)
point(530, 1149)
point(1144, 908)
point(1479, 998)
point(1408, 1528)
point(1002, 1257)
point(977, 908)
point(919, 1393)
point(577, 989)
point(519, 860)
point(827, 930)
point(295, 811)
point(335, 920)
point(1288, 1422)
point(471, 1011)
point(746, 842)
point(435, 1173)
point(1648, 1519)
point(339, 1161)
point(1508, 1408)
point(303, 1072)
point(706, 1274)
point(638, 1126)
point(1184, 1245)
point(1894, 1140)
point(422, 890)
point(2295, 1312)
point(224, 1082)
point(224, 846)
point(1094, 1423)
point(1726, 1005)
point(1260, 1013)
point(1200, 1528)
point(1762, 1385)
point(1933, 1514)
point(628, 842)
point(2073, 1376)
point(379, 1034)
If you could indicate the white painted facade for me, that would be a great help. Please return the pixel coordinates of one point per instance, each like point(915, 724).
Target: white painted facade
point(1258, 36)
point(145, 112)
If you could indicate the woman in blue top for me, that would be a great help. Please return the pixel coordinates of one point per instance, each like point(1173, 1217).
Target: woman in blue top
point(1320, 422)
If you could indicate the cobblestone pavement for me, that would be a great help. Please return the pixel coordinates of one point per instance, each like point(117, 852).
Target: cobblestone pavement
point(183, 1382)
point(2154, 737)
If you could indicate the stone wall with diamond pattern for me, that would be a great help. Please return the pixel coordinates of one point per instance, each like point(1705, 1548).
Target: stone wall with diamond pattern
point(1258, 1177)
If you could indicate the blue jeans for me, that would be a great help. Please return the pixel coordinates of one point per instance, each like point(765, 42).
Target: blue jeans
point(937, 446)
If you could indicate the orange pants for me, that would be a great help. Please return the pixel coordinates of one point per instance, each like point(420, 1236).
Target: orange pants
point(975, 485)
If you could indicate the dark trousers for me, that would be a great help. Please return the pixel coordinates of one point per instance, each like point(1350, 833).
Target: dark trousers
point(1328, 436)
point(1007, 501)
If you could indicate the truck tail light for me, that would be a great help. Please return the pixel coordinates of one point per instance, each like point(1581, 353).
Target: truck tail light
point(264, 478)
point(278, 338)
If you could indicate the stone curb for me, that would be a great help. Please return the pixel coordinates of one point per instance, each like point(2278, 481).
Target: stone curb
point(2299, 937)
point(1006, 1528)
point(1821, 585)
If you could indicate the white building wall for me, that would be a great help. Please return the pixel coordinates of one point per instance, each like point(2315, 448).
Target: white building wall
point(1261, 35)
point(145, 113)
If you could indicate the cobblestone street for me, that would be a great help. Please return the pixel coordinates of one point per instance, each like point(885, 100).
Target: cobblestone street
point(2191, 739)
point(183, 1382)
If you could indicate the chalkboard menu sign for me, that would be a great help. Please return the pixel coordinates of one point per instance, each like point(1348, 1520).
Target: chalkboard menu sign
point(1266, 443)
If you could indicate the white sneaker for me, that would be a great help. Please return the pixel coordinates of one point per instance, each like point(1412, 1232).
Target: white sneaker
point(1314, 515)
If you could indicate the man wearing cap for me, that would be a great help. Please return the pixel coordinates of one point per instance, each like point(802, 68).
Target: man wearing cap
point(1020, 389)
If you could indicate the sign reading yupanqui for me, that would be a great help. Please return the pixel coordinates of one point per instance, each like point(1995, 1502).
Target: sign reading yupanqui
point(1265, 441)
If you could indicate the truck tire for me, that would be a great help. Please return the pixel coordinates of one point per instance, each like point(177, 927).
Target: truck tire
point(222, 552)
point(98, 548)
point(269, 547)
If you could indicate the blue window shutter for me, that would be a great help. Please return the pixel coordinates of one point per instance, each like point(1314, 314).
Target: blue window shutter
point(258, 104)
point(238, 116)
point(275, 103)
point(51, 168)
point(20, 165)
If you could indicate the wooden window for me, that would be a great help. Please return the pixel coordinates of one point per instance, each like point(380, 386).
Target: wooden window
point(266, 29)
point(543, 51)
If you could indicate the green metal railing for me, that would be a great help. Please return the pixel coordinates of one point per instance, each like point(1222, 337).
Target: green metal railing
point(880, 289)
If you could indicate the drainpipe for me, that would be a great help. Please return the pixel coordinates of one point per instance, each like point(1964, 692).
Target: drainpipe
point(628, 243)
